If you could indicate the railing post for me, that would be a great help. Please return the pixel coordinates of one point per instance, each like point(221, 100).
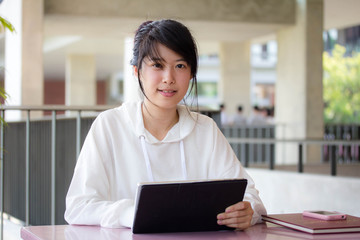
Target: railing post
point(53, 166)
point(243, 145)
point(2, 174)
point(27, 170)
point(272, 158)
point(247, 150)
point(251, 147)
point(268, 154)
point(78, 133)
point(333, 160)
point(300, 164)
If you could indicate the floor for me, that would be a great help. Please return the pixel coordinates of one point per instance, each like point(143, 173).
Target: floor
point(343, 170)
point(11, 230)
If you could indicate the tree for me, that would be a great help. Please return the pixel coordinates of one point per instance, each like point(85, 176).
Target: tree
point(341, 86)
point(4, 24)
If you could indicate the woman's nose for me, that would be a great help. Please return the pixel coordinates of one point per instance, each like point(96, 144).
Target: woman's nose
point(169, 76)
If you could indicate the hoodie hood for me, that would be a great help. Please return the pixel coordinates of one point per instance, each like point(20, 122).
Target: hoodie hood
point(178, 132)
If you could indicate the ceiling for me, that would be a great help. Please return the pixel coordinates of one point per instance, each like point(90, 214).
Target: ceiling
point(76, 35)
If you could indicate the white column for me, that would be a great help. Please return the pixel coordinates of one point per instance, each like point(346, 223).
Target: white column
point(80, 86)
point(234, 85)
point(299, 100)
point(131, 87)
point(23, 53)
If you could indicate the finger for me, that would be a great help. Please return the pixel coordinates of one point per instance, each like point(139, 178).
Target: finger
point(239, 226)
point(234, 214)
point(241, 223)
point(238, 206)
point(226, 221)
point(238, 213)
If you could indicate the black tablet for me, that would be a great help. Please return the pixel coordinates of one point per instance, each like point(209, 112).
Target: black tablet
point(184, 206)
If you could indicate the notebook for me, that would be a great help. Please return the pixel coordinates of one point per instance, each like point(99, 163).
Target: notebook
point(184, 206)
point(300, 222)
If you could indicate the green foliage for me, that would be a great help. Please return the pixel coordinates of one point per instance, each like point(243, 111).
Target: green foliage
point(4, 24)
point(341, 87)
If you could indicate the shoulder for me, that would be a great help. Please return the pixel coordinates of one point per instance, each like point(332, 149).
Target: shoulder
point(196, 117)
point(111, 117)
point(204, 123)
point(118, 113)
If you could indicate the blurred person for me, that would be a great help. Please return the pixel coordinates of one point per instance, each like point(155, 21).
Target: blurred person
point(239, 118)
point(223, 116)
point(256, 117)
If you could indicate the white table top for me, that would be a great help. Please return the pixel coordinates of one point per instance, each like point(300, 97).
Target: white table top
point(258, 232)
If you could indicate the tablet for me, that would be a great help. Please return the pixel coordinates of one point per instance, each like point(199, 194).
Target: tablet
point(184, 206)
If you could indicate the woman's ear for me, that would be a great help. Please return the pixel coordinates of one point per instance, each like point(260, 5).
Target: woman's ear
point(135, 71)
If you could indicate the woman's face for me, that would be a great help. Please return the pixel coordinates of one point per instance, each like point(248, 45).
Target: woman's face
point(165, 80)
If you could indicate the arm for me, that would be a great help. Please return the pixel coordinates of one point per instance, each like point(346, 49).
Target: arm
point(249, 211)
point(88, 201)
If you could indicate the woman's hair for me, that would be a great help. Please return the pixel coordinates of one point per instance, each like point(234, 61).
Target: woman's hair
point(170, 33)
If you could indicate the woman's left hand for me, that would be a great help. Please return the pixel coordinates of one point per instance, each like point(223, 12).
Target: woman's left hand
point(237, 216)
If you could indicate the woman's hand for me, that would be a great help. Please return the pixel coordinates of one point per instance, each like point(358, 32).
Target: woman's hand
point(237, 216)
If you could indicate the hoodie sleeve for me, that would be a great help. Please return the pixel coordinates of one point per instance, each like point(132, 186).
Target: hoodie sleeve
point(88, 199)
point(232, 168)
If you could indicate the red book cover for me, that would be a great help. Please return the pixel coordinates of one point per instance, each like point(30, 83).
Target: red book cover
point(312, 225)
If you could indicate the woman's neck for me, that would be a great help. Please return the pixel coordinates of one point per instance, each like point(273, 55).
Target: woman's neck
point(158, 121)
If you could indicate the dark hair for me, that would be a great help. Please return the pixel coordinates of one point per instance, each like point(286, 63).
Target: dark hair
point(170, 33)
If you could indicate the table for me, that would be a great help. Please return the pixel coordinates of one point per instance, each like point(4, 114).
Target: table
point(262, 231)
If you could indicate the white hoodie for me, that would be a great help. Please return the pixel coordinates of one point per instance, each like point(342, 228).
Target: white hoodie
point(113, 160)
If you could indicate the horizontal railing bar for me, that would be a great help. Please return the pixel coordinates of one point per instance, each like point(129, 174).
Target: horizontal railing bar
point(58, 108)
point(302, 141)
point(79, 108)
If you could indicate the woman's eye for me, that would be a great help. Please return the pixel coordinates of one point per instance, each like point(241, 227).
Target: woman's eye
point(181, 66)
point(157, 65)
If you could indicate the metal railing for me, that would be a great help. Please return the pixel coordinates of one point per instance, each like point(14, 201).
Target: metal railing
point(36, 147)
point(53, 142)
point(54, 110)
point(339, 143)
point(302, 144)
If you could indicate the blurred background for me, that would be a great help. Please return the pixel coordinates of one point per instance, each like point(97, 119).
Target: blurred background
point(280, 77)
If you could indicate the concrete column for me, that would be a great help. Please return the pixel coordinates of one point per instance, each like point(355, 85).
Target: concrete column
point(234, 85)
point(24, 81)
point(80, 84)
point(299, 99)
point(131, 86)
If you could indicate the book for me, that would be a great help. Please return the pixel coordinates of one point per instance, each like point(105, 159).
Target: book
point(312, 225)
point(279, 232)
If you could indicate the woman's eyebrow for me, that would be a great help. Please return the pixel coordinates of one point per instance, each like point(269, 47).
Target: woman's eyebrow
point(156, 59)
point(181, 60)
point(160, 59)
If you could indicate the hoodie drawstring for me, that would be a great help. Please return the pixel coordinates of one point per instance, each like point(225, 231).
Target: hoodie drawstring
point(147, 160)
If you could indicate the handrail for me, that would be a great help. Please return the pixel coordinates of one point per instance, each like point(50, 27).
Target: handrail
point(58, 108)
point(81, 108)
point(294, 140)
point(301, 142)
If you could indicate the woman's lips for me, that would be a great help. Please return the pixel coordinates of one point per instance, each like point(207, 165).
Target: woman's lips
point(167, 93)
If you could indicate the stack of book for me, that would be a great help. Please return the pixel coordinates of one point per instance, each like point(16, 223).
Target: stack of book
point(312, 225)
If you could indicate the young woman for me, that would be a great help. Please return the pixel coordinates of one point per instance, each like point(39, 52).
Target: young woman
point(155, 139)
